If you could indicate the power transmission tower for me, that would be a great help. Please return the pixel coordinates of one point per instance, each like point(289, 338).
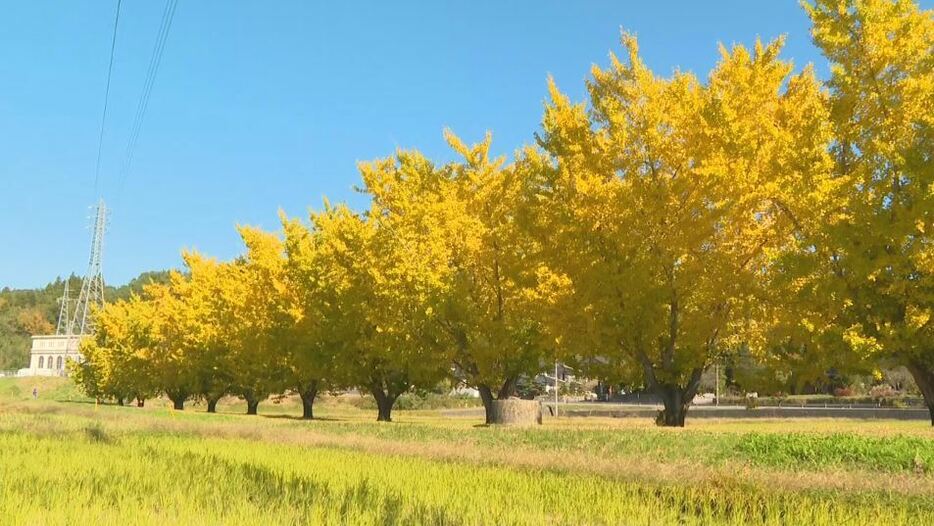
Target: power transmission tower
point(92, 288)
point(65, 314)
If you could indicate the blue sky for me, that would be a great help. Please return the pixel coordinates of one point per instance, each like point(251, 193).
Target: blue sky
point(267, 105)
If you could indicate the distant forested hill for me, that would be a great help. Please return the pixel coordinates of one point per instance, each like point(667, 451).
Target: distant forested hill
point(25, 312)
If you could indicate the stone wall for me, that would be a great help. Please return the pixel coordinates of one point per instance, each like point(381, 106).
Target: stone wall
point(517, 412)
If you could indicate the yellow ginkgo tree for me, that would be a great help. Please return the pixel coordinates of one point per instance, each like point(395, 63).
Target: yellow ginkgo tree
point(261, 318)
point(315, 339)
point(168, 340)
point(209, 294)
point(871, 265)
point(383, 272)
point(492, 312)
point(666, 201)
point(115, 364)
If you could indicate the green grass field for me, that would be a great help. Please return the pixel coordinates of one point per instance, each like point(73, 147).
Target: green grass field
point(64, 460)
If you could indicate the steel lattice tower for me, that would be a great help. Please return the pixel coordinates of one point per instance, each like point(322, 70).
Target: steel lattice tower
point(92, 288)
point(65, 313)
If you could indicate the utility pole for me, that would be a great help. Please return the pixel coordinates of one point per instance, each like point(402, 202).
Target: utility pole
point(64, 312)
point(556, 388)
point(716, 369)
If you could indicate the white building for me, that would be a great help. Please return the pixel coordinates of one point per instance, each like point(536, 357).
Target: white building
point(49, 354)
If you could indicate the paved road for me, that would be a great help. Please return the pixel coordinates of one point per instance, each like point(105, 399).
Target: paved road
point(648, 411)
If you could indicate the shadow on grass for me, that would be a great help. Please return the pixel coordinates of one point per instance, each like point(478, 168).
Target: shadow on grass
point(85, 402)
point(300, 419)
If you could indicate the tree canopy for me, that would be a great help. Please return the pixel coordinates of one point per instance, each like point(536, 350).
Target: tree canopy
point(663, 225)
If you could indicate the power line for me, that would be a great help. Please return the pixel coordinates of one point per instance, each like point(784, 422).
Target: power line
point(154, 62)
point(110, 68)
point(168, 15)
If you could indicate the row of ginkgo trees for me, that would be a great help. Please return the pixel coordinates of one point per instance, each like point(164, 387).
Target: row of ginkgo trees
point(666, 224)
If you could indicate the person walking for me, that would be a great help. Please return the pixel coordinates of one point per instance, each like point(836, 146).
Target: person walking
point(35, 393)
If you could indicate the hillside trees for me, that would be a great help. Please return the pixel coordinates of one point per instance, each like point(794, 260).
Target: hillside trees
point(41, 307)
point(33, 321)
point(667, 200)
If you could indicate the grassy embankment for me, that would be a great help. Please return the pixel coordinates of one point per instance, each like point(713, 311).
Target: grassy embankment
point(66, 461)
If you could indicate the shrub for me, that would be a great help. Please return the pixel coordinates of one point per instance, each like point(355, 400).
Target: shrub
point(882, 391)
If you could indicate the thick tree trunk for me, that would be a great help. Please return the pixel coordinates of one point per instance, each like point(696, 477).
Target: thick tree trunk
point(676, 399)
point(924, 377)
point(676, 408)
point(384, 403)
point(508, 388)
point(140, 402)
point(178, 404)
point(212, 404)
point(486, 395)
point(505, 391)
point(252, 407)
point(120, 402)
point(308, 395)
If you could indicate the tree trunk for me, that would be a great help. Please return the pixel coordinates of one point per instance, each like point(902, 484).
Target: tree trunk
point(120, 402)
point(178, 404)
point(384, 403)
point(676, 408)
point(252, 406)
point(308, 400)
point(140, 402)
point(486, 395)
point(924, 377)
point(677, 400)
point(212, 404)
point(508, 388)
